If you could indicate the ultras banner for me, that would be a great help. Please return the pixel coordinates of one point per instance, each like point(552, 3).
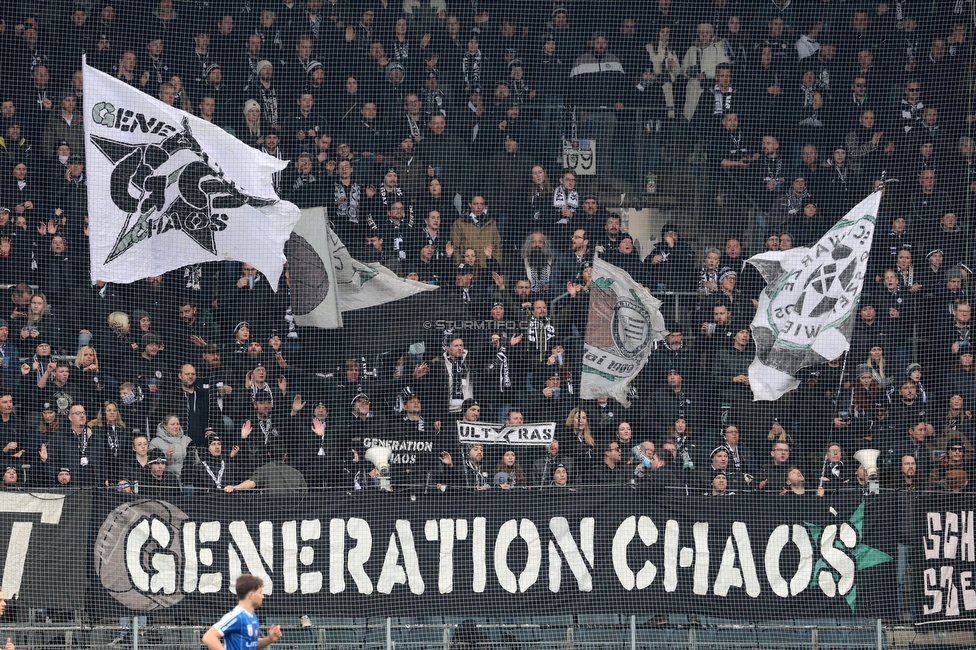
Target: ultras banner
point(943, 557)
point(543, 552)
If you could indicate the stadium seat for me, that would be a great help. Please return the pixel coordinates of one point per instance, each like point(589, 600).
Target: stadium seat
point(661, 639)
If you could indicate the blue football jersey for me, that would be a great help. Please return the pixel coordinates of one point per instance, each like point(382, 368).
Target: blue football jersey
point(239, 629)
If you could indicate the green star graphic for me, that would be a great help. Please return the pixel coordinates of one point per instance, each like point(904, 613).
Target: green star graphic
point(865, 556)
point(603, 283)
point(366, 275)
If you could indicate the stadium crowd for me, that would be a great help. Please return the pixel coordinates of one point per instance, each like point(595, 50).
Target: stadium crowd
point(430, 130)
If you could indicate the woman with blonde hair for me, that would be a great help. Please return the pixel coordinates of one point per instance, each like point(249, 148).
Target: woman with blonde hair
point(120, 343)
point(91, 376)
point(110, 431)
point(40, 325)
point(181, 98)
point(581, 439)
point(253, 129)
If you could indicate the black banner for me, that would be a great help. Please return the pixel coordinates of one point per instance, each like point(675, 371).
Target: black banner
point(44, 538)
point(943, 558)
point(534, 552)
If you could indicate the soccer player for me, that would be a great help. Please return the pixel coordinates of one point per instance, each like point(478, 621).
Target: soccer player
point(239, 628)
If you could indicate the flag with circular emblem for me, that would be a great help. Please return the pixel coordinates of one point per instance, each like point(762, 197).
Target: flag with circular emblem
point(807, 311)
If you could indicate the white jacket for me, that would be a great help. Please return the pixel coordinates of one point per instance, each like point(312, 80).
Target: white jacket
point(706, 59)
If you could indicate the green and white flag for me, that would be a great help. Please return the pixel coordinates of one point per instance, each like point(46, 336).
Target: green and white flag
point(326, 281)
point(807, 311)
point(623, 321)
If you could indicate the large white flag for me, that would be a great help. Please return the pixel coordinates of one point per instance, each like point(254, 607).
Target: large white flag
point(807, 311)
point(167, 189)
point(326, 281)
point(624, 319)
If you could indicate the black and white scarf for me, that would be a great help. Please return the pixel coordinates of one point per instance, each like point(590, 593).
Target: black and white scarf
point(414, 128)
point(706, 276)
point(459, 372)
point(471, 66)
point(398, 229)
point(434, 101)
point(112, 437)
point(348, 209)
point(907, 277)
point(735, 461)
point(401, 51)
point(420, 422)
point(388, 197)
point(267, 429)
point(192, 277)
point(910, 113)
point(301, 181)
point(314, 24)
point(562, 199)
point(269, 103)
point(773, 167)
point(480, 480)
point(266, 391)
point(501, 365)
point(219, 476)
point(275, 176)
point(723, 101)
point(539, 333)
point(538, 276)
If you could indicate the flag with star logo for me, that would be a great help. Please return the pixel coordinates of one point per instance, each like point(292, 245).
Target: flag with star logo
point(807, 311)
point(167, 189)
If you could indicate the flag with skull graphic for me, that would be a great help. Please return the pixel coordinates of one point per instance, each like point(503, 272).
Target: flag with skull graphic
point(807, 311)
point(167, 189)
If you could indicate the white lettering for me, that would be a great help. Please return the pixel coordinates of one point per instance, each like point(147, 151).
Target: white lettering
point(533, 561)
point(621, 540)
point(731, 576)
point(255, 566)
point(392, 573)
point(559, 527)
point(804, 570)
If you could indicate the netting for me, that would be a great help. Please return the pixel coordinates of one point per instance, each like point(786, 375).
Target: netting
point(437, 317)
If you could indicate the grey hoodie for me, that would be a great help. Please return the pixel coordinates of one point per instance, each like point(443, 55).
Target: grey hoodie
point(162, 442)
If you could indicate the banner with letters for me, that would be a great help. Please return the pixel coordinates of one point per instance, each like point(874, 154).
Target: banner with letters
point(46, 540)
point(493, 553)
point(482, 433)
point(548, 551)
point(944, 560)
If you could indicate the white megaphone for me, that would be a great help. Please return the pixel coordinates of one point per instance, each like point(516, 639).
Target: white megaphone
point(869, 460)
point(380, 457)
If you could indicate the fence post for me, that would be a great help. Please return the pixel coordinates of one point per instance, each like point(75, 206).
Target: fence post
point(389, 633)
point(633, 632)
point(134, 628)
point(881, 634)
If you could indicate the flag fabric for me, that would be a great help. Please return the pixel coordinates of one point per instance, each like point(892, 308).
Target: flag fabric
point(624, 319)
point(362, 285)
point(326, 281)
point(312, 273)
point(807, 311)
point(167, 189)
